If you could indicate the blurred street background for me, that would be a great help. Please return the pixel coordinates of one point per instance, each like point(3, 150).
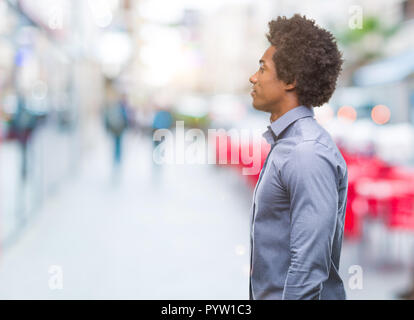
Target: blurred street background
point(86, 212)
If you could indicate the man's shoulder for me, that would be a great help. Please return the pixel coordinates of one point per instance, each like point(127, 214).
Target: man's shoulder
point(309, 131)
point(308, 138)
point(305, 138)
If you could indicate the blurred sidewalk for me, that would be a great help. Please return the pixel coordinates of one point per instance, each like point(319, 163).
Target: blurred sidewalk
point(179, 232)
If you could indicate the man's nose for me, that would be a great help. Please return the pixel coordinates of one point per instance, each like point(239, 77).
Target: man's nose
point(253, 79)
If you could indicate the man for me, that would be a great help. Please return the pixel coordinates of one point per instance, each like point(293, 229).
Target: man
point(299, 201)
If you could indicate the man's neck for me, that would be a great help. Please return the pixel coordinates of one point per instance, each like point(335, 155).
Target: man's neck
point(281, 111)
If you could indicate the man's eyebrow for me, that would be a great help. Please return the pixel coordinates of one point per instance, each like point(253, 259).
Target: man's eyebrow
point(262, 61)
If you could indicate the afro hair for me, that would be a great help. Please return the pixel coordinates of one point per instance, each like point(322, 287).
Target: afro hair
point(307, 54)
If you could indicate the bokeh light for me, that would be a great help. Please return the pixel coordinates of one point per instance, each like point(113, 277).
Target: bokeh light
point(380, 114)
point(240, 250)
point(324, 114)
point(347, 113)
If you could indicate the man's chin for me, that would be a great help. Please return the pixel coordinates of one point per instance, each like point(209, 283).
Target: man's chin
point(258, 106)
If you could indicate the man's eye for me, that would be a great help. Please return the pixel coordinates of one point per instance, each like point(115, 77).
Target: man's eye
point(261, 69)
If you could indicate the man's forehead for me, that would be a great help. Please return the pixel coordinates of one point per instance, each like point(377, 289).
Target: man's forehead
point(267, 56)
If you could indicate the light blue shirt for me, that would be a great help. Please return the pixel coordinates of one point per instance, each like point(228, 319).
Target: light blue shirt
point(298, 212)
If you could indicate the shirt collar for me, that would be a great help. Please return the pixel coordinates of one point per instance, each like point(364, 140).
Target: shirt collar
point(279, 125)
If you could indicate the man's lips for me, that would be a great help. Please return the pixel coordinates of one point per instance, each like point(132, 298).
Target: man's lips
point(253, 93)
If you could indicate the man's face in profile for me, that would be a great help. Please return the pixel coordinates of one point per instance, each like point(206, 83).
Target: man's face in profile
point(267, 89)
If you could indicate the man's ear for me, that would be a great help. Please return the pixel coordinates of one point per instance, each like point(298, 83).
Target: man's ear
point(290, 86)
